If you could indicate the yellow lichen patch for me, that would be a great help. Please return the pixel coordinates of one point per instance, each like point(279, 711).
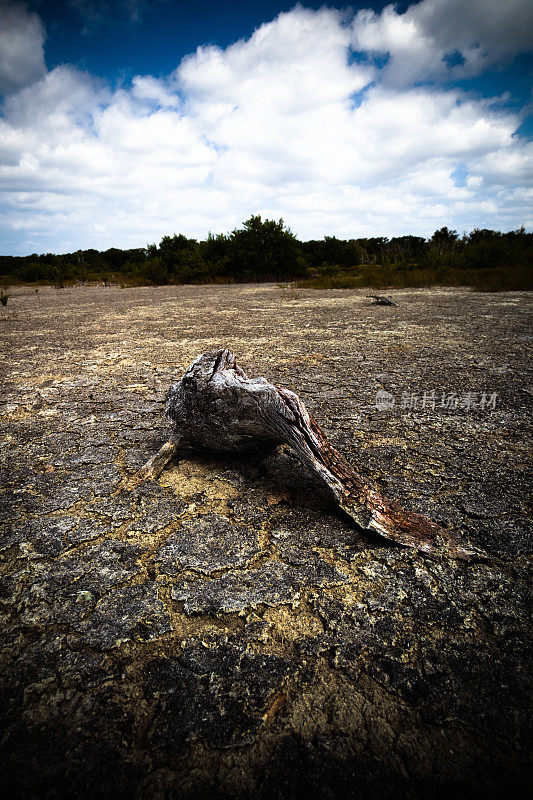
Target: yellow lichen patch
point(289, 624)
point(190, 478)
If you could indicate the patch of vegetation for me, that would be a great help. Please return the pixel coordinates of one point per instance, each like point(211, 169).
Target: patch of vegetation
point(4, 298)
point(482, 280)
point(266, 250)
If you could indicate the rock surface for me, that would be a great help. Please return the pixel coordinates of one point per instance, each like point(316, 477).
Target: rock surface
point(221, 632)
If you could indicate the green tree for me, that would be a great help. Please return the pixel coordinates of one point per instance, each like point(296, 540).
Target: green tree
point(444, 240)
point(264, 250)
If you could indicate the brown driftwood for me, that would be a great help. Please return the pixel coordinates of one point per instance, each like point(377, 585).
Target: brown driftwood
point(380, 301)
point(216, 406)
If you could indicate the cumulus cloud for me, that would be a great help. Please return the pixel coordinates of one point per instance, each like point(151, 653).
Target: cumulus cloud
point(21, 46)
point(284, 123)
point(445, 38)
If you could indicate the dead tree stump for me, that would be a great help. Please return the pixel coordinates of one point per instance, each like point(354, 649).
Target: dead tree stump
point(216, 406)
point(380, 301)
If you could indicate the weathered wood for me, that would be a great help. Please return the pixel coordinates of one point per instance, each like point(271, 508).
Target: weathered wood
point(379, 300)
point(155, 465)
point(216, 406)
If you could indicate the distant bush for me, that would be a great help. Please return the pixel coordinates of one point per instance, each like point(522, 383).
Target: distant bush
point(482, 280)
point(500, 280)
point(154, 271)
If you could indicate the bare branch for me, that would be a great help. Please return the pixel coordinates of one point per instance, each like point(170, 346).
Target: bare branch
point(155, 465)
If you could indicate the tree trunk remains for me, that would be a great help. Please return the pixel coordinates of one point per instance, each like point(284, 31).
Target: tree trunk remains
point(380, 301)
point(216, 406)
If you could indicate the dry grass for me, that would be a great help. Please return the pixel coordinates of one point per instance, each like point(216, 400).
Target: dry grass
point(482, 280)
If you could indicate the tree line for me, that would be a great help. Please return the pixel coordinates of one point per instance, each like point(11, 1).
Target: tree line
point(266, 250)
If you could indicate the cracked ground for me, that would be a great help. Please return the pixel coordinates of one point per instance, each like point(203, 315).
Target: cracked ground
point(222, 632)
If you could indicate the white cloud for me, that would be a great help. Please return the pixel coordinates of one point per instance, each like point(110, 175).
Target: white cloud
point(21, 46)
point(420, 42)
point(281, 124)
point(147, 89)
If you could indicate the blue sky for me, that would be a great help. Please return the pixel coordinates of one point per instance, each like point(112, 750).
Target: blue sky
point(125, 121)
point(119, 40)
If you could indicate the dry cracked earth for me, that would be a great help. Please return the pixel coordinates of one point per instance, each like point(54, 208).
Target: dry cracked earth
point(221, 633)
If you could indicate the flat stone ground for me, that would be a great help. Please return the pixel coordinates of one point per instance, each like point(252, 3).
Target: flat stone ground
point(220, 633)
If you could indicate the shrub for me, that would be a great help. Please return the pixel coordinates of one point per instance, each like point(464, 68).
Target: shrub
point(154, 271)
